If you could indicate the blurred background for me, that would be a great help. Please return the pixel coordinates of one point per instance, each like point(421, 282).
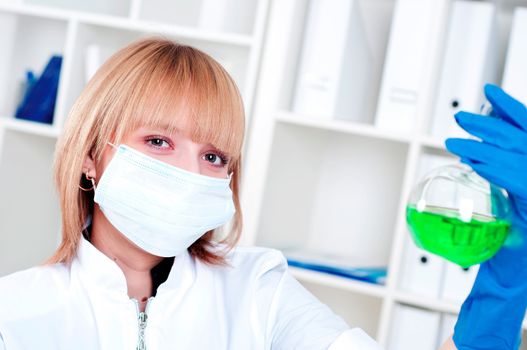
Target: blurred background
point(348, 104)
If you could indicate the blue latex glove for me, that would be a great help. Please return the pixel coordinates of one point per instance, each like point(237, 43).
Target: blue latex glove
point(492, 314)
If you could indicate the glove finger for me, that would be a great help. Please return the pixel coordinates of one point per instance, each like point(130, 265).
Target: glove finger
point(506, 107)
point(481, 152)
point(493, 131)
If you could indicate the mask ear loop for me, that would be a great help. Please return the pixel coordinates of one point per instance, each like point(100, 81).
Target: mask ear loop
point(89, 178)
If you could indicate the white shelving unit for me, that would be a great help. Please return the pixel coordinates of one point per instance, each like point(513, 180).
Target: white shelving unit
point(32, 31)
point(332, 184)
point(311, 182)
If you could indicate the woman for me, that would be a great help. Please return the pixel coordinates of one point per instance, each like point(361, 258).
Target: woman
point(148, 170)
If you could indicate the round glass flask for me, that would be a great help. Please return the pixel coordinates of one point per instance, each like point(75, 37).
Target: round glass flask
point(456, 214)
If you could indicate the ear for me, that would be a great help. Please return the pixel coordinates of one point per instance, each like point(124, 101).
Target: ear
point(88, 166)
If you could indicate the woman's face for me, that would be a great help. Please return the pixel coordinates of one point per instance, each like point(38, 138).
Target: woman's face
point(175, 149)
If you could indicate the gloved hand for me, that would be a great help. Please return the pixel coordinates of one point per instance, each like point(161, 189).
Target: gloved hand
point(492, 314)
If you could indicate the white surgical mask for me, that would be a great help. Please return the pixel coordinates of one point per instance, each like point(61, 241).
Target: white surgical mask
point(161, 208)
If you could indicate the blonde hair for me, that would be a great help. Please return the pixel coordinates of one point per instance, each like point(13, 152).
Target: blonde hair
point(144, 84)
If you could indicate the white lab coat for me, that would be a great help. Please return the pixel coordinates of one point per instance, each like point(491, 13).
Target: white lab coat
point(253, 304)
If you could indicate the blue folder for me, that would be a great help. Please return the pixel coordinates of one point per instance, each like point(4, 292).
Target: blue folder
point(337, 266)
point(39, 99)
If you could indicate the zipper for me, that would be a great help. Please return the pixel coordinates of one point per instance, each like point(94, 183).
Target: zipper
point(142, 319)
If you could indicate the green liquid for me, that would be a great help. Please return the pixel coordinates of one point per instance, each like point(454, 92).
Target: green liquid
point(440, 231)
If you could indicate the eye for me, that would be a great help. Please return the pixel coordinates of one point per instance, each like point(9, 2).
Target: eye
point(216, 159)
point(158, 142)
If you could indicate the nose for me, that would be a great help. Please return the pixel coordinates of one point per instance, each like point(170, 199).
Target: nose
point(189, 160)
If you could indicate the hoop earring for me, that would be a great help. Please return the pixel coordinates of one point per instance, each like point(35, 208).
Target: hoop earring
point(89, 178)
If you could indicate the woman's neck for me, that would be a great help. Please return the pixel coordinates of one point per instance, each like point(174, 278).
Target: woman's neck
point(135, 263)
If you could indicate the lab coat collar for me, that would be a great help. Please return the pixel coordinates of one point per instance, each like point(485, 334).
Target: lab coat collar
point(105, 275)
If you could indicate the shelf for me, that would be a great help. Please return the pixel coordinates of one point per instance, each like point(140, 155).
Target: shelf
point(30, 127)
point(316, 195)
point(107, 40)
point(355, 128)
point(432, 142)
point(360, 287)
point(114, 7)
point(234, 16)
point(433, 304)
point(341, 126)
point(40, 11)
point(170, 29)
point(426, 302)
point(118, 22)
point(338, 282)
